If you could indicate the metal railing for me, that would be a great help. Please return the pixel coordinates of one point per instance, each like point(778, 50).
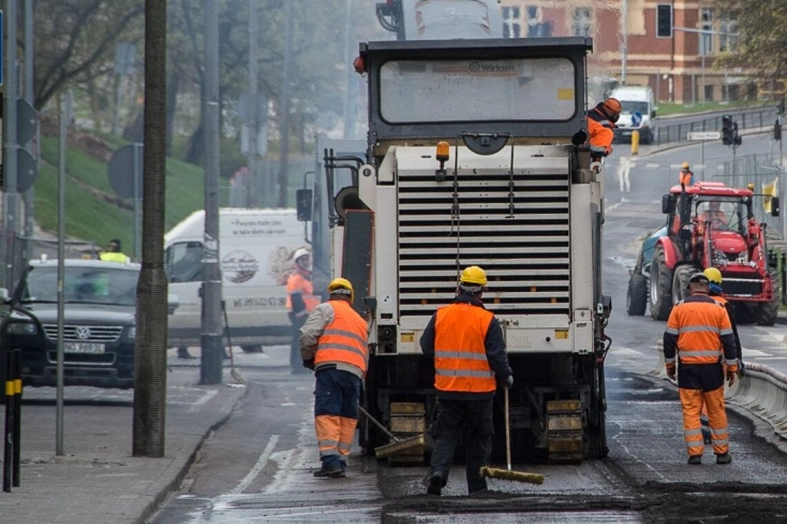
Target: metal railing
point(751, 118)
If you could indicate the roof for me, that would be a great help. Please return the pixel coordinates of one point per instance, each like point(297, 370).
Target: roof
point(714, 189)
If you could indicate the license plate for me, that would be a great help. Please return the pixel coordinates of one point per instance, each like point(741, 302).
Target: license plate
point(82, 347)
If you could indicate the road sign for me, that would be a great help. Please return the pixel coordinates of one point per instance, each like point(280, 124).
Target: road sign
point(125, 169)
point(636, 118)
point(704, 135)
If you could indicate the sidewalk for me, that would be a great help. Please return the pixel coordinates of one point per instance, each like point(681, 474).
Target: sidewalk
point(96, 480)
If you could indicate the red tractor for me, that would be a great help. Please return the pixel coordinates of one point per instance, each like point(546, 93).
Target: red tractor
point(712, 225)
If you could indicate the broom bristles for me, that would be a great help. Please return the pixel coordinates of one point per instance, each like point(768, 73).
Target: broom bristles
point(397, 447)
point(508, 474)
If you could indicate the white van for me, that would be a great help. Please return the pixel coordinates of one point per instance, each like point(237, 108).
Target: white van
point(638, 104)
point(255, 253)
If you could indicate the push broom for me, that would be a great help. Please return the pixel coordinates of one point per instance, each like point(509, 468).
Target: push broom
point(398, 445)
point(509, 474)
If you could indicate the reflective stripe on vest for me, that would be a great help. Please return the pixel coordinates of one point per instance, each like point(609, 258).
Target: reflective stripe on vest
point(460, 354)
point(344, 339)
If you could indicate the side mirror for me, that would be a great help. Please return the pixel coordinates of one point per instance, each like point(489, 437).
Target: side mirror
point(303, 204)
point(775, 206)
point(666, 204)
point(173, 303)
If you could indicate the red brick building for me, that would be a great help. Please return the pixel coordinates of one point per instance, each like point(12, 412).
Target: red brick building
point(678, 69)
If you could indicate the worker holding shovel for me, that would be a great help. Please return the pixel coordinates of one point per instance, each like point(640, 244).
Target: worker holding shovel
point(469, 353)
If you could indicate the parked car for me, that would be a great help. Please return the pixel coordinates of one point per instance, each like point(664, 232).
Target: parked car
point(99, 322)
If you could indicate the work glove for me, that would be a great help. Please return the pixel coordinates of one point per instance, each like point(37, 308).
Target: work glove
point(509, 381)
point(741, 369)
point(671, 373)
point(730, 378)
point(308, 364)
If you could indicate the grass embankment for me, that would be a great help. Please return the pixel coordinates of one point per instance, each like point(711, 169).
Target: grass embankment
point(92, 209)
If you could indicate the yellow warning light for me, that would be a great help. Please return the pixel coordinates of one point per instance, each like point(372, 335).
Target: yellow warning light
point(533, 289)
point(423, 302)
point(561, 334)
point(554, 301)
point(497, 301)
point(442, 151)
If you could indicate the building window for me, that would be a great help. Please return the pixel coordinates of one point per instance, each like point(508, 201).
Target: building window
point(581, 24)
point(708, 93)
point(512, 23)
point(535, 27)
point(706, 39)
point(728, 29)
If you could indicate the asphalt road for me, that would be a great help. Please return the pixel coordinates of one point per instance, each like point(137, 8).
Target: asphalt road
point(257, 467)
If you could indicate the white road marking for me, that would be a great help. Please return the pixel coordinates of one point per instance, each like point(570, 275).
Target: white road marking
point(255, 471)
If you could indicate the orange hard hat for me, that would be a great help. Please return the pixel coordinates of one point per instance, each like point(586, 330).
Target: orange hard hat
point(610, 106)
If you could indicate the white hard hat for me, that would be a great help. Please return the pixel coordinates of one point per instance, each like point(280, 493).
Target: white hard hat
point(302, 252)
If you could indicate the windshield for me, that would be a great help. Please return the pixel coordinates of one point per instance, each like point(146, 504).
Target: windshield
point(535, 89)
point(87, 285)
point(629, 107)
point(723, 214)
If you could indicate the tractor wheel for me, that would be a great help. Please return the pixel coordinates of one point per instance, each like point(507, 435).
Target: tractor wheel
point(660, 286)
point(680, 283)
point(768, 311)
point(745, 312)
point(637, 295)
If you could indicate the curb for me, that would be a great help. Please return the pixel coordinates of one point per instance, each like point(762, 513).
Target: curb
point(188, 460)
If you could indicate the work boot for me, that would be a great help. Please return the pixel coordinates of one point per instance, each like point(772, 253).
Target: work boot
point(724, 458)
point(330, 473)
point(435, 485)
point(695, 460)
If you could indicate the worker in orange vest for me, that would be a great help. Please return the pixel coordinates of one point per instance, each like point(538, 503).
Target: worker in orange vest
point(698, 336)
point(334, 344)
point(685, 175)
point(469, 352)
point(301, 301)
point(716, 293)
point(601, 123)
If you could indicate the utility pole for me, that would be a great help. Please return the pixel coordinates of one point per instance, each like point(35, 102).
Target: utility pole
point(30, 193)
point(150, 361)
point(11, 185)
point(349, 98)
point(251, 175)
point(624, 40)
point(210, 363)
point(284, 108)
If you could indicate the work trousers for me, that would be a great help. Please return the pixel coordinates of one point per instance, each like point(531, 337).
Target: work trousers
point(470, 420)
point(335, 415)
point(698, 384)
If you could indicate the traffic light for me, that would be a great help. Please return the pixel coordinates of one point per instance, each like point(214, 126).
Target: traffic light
point(736, 138)
point(663, 21)
point(777, 130)
point(726, 130)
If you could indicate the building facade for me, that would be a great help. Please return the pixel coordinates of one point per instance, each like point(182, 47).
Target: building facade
point(627, 49)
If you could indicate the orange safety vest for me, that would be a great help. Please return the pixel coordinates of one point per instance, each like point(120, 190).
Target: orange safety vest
point(699, 326)
point(601, 134)
point(460, 360)
point(343, 341)
point(298, 282)
point(686, 177)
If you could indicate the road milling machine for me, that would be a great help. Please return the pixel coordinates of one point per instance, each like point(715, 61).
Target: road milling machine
point(477, 155)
